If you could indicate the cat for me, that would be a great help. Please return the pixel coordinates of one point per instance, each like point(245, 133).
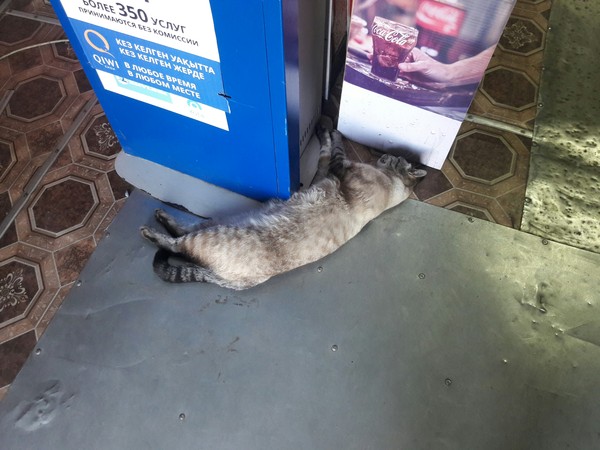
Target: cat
point(243, 251)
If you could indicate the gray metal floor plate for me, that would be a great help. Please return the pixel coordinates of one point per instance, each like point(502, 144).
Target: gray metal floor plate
point(429, 330)
point(563, 190)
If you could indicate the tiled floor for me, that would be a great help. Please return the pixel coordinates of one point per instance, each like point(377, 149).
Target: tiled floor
point(52, 237)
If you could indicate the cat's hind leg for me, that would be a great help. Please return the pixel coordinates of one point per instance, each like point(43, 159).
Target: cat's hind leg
point(161, 240)
point(177, 229)
point(166, 220)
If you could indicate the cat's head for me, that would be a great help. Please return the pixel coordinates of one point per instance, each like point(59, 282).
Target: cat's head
point(401, 168)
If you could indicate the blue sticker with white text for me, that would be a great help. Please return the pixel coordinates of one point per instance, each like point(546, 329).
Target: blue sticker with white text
point(159, 67)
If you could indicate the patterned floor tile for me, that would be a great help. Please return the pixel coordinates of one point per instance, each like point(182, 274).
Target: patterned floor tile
point(434, 184)
point(509, 90)
point(52, 308)
point(96, 145)
point(63, 206)
point(71, 260)
point(15, 156)
point(44, 139)
point(25, 60)
point(36, 98)
point(13, 355)
point(486, 168)
point(24, 302)
point(21, 284)
point(15, 30)
point(10, 237)
point(69, 205)
point(83, 84)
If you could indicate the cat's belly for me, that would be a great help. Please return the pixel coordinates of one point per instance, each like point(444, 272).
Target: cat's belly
point(260, 256)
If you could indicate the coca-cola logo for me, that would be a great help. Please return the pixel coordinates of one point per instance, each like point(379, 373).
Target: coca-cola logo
point(392, 36)
point(445, 19)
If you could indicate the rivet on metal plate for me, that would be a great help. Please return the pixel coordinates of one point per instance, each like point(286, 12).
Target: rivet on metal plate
point(320, 269)
point(38, 351)
point(447, 381)
point(78, 283)
point(422, 276)
point(334, 348)
point(544, 241)
point(182, 416)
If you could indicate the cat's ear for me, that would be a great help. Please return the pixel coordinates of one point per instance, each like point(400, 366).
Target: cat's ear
point(417, 173)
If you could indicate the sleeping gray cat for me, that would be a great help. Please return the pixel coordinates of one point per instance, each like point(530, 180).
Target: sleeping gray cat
point(245, 250)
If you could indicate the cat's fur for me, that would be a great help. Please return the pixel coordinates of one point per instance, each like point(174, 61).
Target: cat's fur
point(245, 250)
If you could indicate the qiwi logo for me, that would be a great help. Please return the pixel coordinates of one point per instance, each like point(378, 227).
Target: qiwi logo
point(100, 44)
point(195, 109)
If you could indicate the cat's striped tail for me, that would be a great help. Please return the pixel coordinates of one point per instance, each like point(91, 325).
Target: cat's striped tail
point(185, 273)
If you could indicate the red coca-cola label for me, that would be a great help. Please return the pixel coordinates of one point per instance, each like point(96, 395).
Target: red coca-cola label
point(443, 18)
point(392, 36)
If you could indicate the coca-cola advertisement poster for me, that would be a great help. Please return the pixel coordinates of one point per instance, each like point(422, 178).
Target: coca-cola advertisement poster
point(412, 70)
